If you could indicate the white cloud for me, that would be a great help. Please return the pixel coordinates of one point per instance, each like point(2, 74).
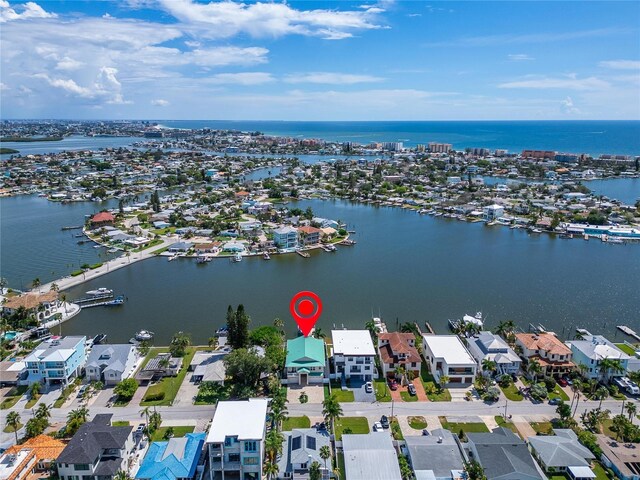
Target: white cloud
point(229, 18)
point(244, 78)
point(160, 102)
point(66, 84)
point(519, 57)
point(4, 86)
point(219, 56)
point(621, 64)
point(68, 63)
point(29, 10)
point(570, 82)
point(568, 107)
point(331, 78)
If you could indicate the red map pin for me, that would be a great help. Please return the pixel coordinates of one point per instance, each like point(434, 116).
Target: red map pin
point(305, 308)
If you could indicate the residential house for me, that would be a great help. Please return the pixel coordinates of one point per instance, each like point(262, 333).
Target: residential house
point(111, 364)
point(447, 356)
point(211, 247)
point(285, 237)
point(235, 442)
point(180, 247)
point(42, 305)
point(37, 454)
point(97, 451)
point(492, 212)
point(175, 459)
point(592, 350)
point(370, 457)
point(162, 365)
point(503, 456)
point(489, 346)
point(58, 360)
point(300, 448)
point(553, 356)
point(398, 349)
point(102, 219)
point(11, 373)
point(353, 354)
point(306, 361)
point(208, 367)
point(309, 235)
point(563, 452)
point(436, 456)
point(622, 458)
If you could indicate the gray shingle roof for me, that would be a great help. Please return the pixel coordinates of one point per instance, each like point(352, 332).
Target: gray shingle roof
point(562, 450)
point(427, 454)
point(112, 356)
point(370, 457)
point(92, 438)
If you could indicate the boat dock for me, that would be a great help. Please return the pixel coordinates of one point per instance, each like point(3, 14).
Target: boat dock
point(629, 332)
point(347, 242)
point(93, 298)
point(303, 254)
point(75, 227)
point(119, 300)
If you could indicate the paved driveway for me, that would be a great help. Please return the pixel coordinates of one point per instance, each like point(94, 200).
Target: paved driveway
point(187, 393)
point(314, 392)
point(359, 393)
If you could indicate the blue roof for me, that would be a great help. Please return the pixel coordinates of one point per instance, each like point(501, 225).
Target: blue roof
point(173, 459)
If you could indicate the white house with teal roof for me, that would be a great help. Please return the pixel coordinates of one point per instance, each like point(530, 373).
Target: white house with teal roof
point(306, 361)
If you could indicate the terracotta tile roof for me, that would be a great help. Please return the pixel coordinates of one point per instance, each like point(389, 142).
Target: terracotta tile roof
point(398, 343)
point(543, 341)
point(103, 217)
point(44, 446)
point(545, 362)
point(30, 300)
point(307, 229)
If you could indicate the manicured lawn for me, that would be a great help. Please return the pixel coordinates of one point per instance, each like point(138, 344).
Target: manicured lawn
point(395, 429)
point(120, 423)
point(169, 385)
point(502, 423)
point(32, 401)
point(418, 423)
point(407, 397)
point(341, 465)
point(66, 393)
point(209, 393)
point(326, 391)
point(606, 428)
point(600, 471)
point(429, 384)
point(8, 429)
point(382, 391)
point(342, 395)
point(177, 432)
point(353, 424)
point(626, 349)
point(296, 422)
point(542, 428)
point(12, 397)
point(472, 427)
point(512, 393)
point(559, 392)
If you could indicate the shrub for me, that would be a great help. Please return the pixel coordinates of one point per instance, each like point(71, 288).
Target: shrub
point(550, 383)
point(154, 397)
point(75, 273)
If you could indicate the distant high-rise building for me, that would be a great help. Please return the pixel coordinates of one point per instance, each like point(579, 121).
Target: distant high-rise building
point(435, 147)
point(393, 146)
point(539, 154)
point(480, 152)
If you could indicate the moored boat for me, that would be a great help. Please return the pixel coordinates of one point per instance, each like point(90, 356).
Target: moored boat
point(144, 335)
point(99, 292)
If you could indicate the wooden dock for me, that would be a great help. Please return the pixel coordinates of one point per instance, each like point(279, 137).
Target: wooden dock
point(93, 298)
point(303, 254)
point(626, 330)
point(119, 300)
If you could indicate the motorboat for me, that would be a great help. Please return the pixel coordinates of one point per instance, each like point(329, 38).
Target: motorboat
point(222, 331)
point(266, 256)
point(100, 291)
point(144, 335)
point(236, 258)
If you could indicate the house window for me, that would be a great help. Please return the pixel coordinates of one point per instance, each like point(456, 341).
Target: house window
point(234, 457)
point(250, 446)
point(228, 441)
point(413, 364)
point(82, 466)
point(250, 460)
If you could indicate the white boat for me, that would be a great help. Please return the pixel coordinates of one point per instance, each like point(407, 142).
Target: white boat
point(266, 256)
point(144, 335)
point(100, 291)
point(476, 319)
point(236, 258)
point(112, 250)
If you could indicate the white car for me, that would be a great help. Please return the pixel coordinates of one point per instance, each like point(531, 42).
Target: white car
point(368, 387)
point(377, 427)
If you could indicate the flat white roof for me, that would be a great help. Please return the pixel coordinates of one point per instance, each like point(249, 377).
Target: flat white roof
point(449, 348)
point(352, 342)
point(244, 419)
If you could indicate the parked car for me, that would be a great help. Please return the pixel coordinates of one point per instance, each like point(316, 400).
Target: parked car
point(82, 390)
point(384, 420)
point(555, 401)
point(412, 389)
point(563, 382)
point(368, 387)
point(393, 385)
point(140, 429)
point(377, 427)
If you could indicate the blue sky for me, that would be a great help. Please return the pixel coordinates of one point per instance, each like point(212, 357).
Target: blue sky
point(385, 60)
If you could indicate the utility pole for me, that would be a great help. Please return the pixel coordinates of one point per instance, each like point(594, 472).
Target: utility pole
point(506, 402)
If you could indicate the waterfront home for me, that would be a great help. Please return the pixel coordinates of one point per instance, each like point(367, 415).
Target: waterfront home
point(492, 212)
point(56, 361)
point(309, 235)
point(622, 458)
point(37, 454)
point(180, 247)
point(102, 219)
point(553, 356)
point(489, 346)
point(435, 456)
point(97, 451)
point(175, 459)
point(235, 442)
point(447, 356)
point(592, 350)
point(562, 452)
point(211, 247)
point(11, 372)
point(42, 305)
point(208, 367)
point(162, 365)
point(503, 456)
point(370, 456)
point(305, 362)
point(398, 350)
point(353, 355)
point(300, 448)
point(285, 237)
point(110, 364)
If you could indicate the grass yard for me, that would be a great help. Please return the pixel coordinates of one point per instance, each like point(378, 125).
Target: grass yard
point(66, 393)
point(542, 428)
point(382, 391)
point(12, 397)
point(417, 423)
point(326, 391)
point(177, 432)
point(626, 349)
point(296, 422)
point(120, 423)
point(429, 384)
point(168, 385)
point(512, 393)
point(558, 392)
point(407, 397)
point(340, 456)
point(506, 424)
point(472, 427)
point(600, 471)
point(210, 393)
point(8, 429)
point(606, 428)
point(342, 395)
point(351, 425)
point(32, 401)
point(396, 431)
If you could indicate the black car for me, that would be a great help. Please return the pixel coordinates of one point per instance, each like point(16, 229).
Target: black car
point(384, 421)
point(412, 389)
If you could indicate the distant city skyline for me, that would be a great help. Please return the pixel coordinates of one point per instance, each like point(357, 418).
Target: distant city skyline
point(308, 60)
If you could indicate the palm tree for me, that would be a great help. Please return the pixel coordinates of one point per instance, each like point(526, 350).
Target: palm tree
point(489, 366)
point(444, 379)
point(325, 454)
point(534, 368)
point(54, 287)
point(35, 283)
point(273, 445)
point(331, 410)
point(608, 366)
point(34, 389)
point(504, 328)
point(601, 394)
point(213, 342)
point(314, 471)
point(583, 369)
point(619, 422)
point(271, 470)
point(13, 422)
point(318, 333)
point(401, 372)
point(3, 284)
point(374, 330)
point(145, 412)
point(79, 414)
point(121, 475)
point(631, 409)
point(43, 411)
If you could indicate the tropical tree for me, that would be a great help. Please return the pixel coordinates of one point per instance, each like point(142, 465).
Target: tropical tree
point(618, 424)
point(331, 410)
point(374, 330)
point(3, 284)
point(278, 323)
point(505, 328)
point(318, 333)
point(125, 389)
point(314, 471)
point(43, 411)
point(13, 422)
point(609, 366)
point(121, 475)
point(489, 366)
point(474, 470)
point(444, 380)
point(601, 393)
point(594, 418)
point(145, 412)
point(155, 420)
point(325, 454)
point(400, 373)
point(534, 368)
point(54, 287)
point(213, 342)
point(631, 409)
point(79, 414)
point(271, 470)
point(34, 389)
point(273, 444)
point(36, 283)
